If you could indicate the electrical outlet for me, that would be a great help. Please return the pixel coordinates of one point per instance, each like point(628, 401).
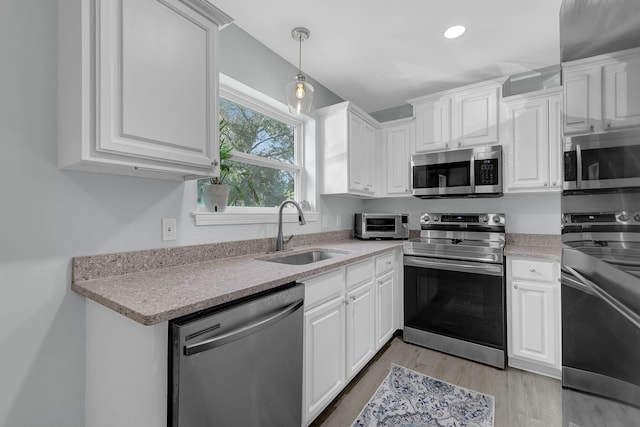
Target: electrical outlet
point(324, 221)
point(338, 220)
point(169, 230)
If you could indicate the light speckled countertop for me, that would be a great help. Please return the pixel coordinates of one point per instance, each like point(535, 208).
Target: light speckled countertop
point(159, 294)
point(153, 286)
point(547, 246)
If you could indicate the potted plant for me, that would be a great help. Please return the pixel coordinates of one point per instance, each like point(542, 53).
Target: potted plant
point(215, 191)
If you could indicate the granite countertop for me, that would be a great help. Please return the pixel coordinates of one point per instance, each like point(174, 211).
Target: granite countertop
point(155, 295)
point(547, 246)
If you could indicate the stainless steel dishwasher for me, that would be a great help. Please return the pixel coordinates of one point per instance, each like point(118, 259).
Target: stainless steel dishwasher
point(240, 365)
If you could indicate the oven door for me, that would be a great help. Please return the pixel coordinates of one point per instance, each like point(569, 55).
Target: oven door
point(602, 162)
point(464, 301)
point(442, 174)
point(600, 326)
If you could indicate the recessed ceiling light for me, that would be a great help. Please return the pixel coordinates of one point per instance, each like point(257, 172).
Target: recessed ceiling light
point(454, 32)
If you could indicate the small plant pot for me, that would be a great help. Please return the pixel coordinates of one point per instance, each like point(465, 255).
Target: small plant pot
point(215, 197)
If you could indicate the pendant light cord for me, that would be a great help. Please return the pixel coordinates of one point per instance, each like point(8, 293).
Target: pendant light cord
point(300, 53)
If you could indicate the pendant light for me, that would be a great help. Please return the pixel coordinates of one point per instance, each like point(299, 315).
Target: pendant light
point(299, 92)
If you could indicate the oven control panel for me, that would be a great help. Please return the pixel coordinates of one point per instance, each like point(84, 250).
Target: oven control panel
point(491, 219)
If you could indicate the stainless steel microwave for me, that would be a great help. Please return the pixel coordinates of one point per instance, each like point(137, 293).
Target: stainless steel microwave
point(472, 172)
point(378, 226)
point(606, 162)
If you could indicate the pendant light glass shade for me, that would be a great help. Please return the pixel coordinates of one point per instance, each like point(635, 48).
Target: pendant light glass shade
point(299, 95)
point(299, 92)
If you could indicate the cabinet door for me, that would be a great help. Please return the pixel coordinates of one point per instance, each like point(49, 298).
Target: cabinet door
point(555, 142)
point(397, 147)
point(433, 125)
point(356, 153)
point(475, 118)
point(385, 312)
point(582, 99)
point(527, 154)
point(534, 322)
point(368, 160)
point(157, 82)
point(360, 328)
point(622, 93)
point(324, 355)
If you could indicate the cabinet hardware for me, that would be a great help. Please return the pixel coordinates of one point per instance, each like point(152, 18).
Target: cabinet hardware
point(532, 270)
point(515, 286)
point(353, 297)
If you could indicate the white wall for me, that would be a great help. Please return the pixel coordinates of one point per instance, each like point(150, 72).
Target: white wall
point(49, 215)
point(536, 213)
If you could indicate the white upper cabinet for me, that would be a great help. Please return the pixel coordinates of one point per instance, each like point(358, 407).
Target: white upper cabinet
point(350, 140)
point(139, 87)
point(532, 136)
point(581, 98)
point(622, 92)
point(457, 118)
point(433, 124)
point(397, 139)
point(602, 93)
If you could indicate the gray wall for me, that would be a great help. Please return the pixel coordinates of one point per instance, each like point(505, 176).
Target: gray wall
point(537, 213)
point(249, 61)
point(50, 215)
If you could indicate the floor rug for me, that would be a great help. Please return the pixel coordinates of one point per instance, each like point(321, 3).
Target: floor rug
point(411, 399)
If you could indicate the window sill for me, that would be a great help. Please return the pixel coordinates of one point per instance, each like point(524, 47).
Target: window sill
point(239, 216)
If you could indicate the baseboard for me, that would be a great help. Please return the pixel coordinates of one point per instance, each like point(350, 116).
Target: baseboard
point(536, 368)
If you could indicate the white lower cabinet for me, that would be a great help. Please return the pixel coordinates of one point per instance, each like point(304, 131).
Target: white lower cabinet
point(324, 331)
point(533, 312)
point(349, 315)
point(360, 328)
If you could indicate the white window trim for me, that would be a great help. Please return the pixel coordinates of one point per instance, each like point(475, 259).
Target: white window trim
point(236, 91)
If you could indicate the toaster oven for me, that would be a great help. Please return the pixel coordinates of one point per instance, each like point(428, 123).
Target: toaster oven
point(378, 226)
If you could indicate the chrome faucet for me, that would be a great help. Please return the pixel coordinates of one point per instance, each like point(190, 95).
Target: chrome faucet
point(280, 241)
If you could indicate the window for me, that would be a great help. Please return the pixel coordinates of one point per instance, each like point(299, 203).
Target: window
point(265, 164)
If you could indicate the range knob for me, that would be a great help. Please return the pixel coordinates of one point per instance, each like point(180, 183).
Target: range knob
point(484, 218)
point(623, 218)
point(436, 218)
point(637, 217)
point(426, 218)
point(496, 219)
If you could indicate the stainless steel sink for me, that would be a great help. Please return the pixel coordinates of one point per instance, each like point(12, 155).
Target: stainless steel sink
point(302, 258)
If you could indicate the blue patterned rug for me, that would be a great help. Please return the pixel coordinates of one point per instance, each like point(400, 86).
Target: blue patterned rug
point(410, 399)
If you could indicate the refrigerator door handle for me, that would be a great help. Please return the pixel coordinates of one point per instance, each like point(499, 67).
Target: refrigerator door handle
point(602, 294)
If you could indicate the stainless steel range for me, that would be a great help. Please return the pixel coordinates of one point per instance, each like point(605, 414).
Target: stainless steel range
point(454, 286)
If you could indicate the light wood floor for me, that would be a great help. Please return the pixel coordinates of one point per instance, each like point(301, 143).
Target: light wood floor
point(523, 399)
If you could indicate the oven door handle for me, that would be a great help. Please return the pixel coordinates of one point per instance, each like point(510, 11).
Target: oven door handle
point(580, 282)
point(480, 268)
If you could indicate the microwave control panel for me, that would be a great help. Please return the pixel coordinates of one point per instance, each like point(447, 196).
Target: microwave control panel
point(486, 172)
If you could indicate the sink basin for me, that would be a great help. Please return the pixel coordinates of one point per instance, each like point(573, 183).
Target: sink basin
point(302, 258)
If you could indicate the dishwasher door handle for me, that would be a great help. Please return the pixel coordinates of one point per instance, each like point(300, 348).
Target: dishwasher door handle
point(243, 331)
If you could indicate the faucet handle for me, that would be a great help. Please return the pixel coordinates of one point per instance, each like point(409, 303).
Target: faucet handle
point(288, 239)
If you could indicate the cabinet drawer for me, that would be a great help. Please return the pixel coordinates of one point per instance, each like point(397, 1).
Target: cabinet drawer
point(360, 273)
point(534, 270)
point(322, 288)
point(385, 263)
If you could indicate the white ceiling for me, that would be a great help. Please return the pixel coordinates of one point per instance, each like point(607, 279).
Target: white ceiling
point(379, 54)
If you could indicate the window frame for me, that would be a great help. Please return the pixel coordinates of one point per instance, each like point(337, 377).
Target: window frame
point(304, 128)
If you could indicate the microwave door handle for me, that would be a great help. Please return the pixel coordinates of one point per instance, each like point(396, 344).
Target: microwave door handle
point(602, 294)
point(472, 174)
point(578, 166)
